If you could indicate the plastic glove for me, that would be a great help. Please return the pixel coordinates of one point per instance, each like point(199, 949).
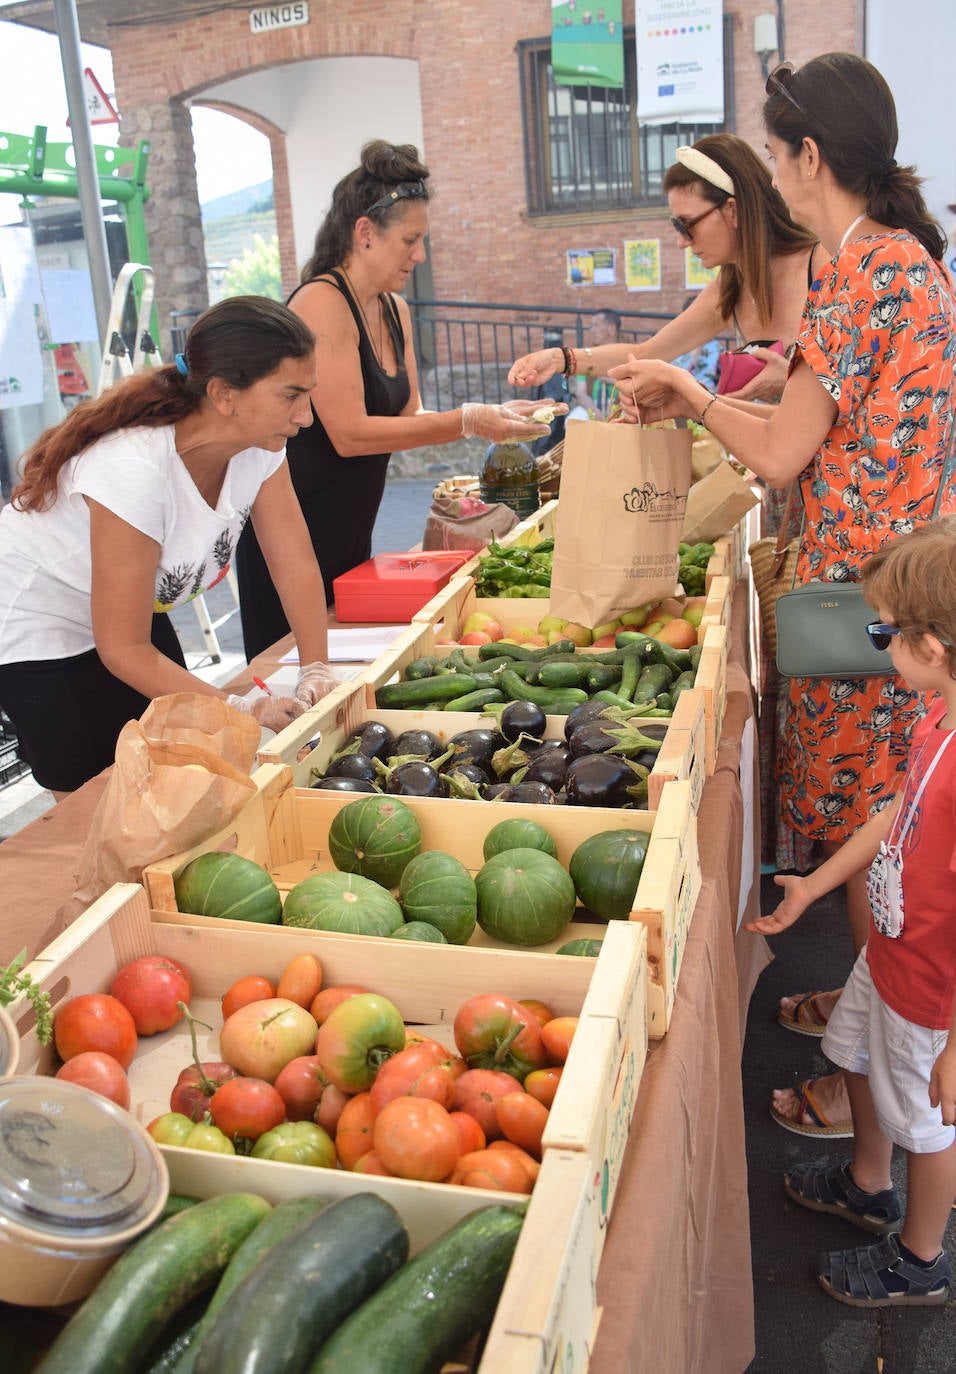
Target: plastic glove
point(315, 681)
point(272, 713)
point(510, 421)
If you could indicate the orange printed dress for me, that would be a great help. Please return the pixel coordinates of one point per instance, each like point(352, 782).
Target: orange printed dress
point(879, 332)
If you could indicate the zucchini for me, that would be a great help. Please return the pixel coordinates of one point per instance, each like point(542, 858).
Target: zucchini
point(177, 1202)
point(554, 701)
point(682, 684)
point(441, 687)
point(474, 701)
point(304, 1287)
point(420, 667)
point(563, 674)
point(602, 676)
point(152, 1281)
point(655, 679)
point(284, 1219)
point(430, 1308)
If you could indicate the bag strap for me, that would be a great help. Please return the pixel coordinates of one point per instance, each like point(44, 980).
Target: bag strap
point(783, 542)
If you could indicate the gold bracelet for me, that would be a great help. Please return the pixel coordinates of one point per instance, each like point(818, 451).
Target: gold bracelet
point(707, 407)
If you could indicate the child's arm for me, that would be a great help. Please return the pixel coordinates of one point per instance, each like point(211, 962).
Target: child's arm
point(852, 857)
point(942, 1081)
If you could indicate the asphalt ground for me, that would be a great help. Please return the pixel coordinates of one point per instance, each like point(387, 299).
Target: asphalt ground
point(799, 1329)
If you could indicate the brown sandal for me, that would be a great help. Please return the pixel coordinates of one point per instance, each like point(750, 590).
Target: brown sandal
point(806, 1017)
point(810, 1119)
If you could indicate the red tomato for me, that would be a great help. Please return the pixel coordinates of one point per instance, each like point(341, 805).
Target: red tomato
point(493, 1031)
point(531, 1165)
point(247, 1108)
point(302, 1085)
point(195, 1086)
point(557, 1036)
point(543, 1084)
point(471, 1134)
point(252, 988)
point(353, 1135)
point(477, 1091)
point(301, 980)
point(150, 989)
point(540, 1010)
point(100, 1073)
point(95, 1021)
point(497, 1169)
point(416, 1138)
point(370, 1163)
point(329, 998)
point(415, 1072)
point(260, 1038)
point(522, 1119)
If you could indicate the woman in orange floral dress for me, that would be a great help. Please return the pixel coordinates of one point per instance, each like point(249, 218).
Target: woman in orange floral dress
point(864, 425)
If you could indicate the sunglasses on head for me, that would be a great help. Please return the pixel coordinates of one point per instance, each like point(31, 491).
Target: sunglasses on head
point(780, 80)
point(409, 190)
point(685, 227)
point(880, 635)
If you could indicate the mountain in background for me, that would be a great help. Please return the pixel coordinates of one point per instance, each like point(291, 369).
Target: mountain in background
point(251, 199)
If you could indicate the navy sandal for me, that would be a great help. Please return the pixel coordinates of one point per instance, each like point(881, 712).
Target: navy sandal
point(827, 1187)
point(859, 1277)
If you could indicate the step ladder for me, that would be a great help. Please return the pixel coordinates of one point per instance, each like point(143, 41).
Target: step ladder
point(118, 362)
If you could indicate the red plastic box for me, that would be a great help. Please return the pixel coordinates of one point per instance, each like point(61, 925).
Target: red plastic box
point(392, 587)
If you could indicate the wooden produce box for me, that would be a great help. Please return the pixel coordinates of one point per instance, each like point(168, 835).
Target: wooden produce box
point(711, 682)
point(311, 740)
point(568, 1210)
point(285, 829)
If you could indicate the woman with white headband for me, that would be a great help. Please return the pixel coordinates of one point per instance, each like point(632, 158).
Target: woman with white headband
point(724, 206)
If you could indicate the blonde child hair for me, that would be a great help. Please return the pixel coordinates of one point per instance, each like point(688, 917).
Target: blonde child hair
point(914, 578)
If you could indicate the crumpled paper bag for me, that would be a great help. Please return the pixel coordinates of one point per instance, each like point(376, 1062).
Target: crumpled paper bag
point(181, 772)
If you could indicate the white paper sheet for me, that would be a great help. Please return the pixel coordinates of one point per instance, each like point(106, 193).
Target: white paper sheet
point(356, 646)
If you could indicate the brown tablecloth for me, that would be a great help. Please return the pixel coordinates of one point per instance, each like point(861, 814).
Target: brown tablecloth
point(674, 1282)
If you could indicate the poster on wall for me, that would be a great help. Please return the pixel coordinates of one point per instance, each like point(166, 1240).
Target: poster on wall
point(680, 61)
point(591, 267)
point(696, 275)
point(642, 259)
point(587, 43)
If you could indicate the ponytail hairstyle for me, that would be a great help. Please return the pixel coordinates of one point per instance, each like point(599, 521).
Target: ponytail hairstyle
point(764, 227)
point(241, 340)
point(843, 103)
point(388, 172)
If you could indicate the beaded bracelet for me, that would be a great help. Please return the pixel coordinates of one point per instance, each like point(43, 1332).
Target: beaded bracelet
point(707, 407)
point(570, 361)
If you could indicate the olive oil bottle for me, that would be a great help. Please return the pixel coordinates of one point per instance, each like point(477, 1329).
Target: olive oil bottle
point(509, 475)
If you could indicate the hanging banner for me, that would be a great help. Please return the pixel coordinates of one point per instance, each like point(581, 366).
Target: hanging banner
point(587, 44)
point(696, 275)
point(680, 61)
point(642, 264)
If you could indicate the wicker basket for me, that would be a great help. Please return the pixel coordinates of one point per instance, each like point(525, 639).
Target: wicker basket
point(773, 574)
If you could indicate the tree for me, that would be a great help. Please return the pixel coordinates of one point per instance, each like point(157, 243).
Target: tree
point(257, 272)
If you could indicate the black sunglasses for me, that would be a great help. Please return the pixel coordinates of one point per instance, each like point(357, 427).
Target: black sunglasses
point(685, 227)
point(409, 190)
point(880, 635)
point(779, 80)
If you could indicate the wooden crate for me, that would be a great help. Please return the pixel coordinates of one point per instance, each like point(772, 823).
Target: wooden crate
point(567, 1212)
point(285, 829)
point(712, 683)
point(311, 740)
point(717, 606)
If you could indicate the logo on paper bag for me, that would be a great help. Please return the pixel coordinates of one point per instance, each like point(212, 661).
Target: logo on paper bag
point(647, 499)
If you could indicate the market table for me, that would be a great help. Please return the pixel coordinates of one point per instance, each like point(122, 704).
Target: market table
point(674, 1283)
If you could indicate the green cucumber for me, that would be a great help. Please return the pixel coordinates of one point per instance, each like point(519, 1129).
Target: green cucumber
point(563, 674)
point(304, 1287)
point(556, 701)
point(655, 679)
point(602, 676)
point(442, 687)
point(429, 1309)
point(476, 700)
point(285, 1218)
point(152, 1281)
point(420, 667)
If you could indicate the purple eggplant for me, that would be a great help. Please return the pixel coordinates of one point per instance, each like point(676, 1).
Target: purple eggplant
point(549, 766)
point(352, 766)
point(343, 785)
point(605, 780)
point(522, 718)
point(537, 793)
point(419, 743)
point(416, 780)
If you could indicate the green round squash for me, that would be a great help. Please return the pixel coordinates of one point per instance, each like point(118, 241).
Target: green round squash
point(606, 869)
point(587, 949)
point(230, 887)
point(420, 930)
point(518, 834)
point(375, 837)
point(437, 888)
point(343, 902)
point(524, 897)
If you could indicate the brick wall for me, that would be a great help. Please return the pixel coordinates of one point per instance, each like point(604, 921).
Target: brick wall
point(484, 244)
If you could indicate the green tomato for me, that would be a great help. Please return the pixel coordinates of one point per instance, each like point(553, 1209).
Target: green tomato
point(297, 1142)
point(211, 1138)
point(171, 1128)
point(357, 1038)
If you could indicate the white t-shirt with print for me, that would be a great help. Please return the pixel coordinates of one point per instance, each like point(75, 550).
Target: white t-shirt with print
point(45, 556)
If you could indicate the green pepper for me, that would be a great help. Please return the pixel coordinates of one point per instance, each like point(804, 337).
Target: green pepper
point(297, 1142)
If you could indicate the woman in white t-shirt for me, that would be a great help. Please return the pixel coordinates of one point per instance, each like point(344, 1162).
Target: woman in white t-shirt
point(133, 505)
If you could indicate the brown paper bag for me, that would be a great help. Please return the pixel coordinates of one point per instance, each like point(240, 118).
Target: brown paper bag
point(706, 453)
point(715, 504)
point(181, 773)
point(623, 489)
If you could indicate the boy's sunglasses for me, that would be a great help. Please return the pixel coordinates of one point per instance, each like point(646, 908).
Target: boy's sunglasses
point(880, 635)
point(685, 227)
point(780, 80)
point(409, 190)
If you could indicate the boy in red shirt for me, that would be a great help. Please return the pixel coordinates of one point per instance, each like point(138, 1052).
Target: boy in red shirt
point(894, 1027)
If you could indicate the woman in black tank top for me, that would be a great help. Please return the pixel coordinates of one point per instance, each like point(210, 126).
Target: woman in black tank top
point(366, 403)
